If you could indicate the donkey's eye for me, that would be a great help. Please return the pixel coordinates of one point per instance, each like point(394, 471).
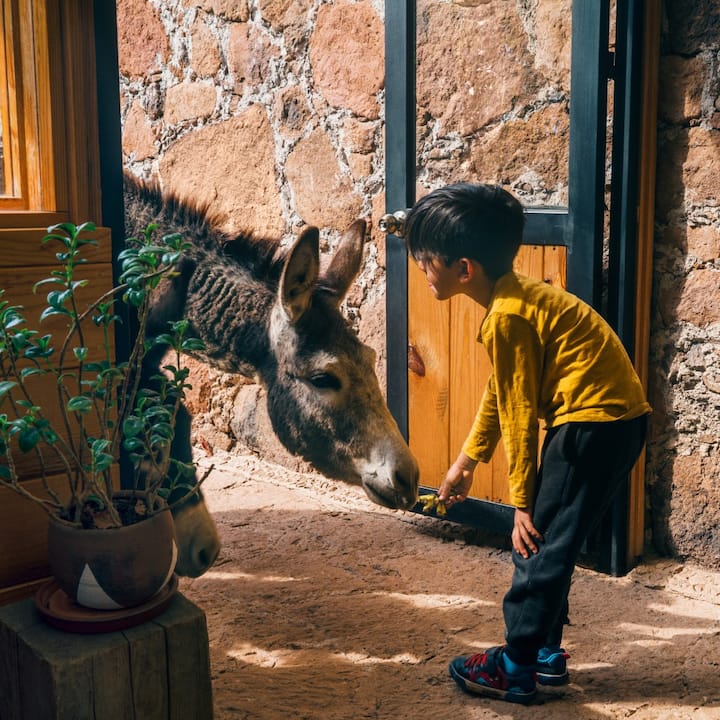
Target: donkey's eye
point(325, 381)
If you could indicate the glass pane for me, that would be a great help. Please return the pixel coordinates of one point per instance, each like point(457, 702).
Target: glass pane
point(493, 91)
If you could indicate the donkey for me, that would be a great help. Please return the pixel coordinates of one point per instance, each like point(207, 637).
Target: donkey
point(267, 313)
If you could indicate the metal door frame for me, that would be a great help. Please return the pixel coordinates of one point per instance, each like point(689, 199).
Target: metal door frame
point(579, 226)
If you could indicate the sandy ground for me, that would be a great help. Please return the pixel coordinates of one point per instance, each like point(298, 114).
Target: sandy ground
point(323, 606)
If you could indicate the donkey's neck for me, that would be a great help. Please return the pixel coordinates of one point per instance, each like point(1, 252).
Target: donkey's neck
point(229, 310)
point(226, 286)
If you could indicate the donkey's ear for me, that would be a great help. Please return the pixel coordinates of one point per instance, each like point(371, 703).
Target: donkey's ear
point(346, 262)
point(300, 273)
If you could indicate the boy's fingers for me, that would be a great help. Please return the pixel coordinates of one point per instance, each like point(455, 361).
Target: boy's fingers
point(528, 541)
point(523, 541)
point(533, 533)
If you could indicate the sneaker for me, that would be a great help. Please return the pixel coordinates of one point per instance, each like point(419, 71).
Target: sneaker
point(551, 666)
point(485, 674)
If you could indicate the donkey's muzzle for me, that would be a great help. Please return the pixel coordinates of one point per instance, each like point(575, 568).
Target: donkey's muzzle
point(394, 485)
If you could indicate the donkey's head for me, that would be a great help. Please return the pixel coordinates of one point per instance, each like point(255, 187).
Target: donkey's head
point(324, 399)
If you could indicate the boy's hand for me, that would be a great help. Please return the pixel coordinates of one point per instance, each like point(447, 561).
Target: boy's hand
point(524, 534)
point(456, 485)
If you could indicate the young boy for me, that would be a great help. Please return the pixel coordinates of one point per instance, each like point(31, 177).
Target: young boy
point(553, 358)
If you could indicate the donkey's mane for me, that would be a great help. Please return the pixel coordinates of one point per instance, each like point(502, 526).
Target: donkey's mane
point(146, 202)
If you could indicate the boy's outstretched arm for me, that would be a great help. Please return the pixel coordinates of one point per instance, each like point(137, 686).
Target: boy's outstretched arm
point(458, 479)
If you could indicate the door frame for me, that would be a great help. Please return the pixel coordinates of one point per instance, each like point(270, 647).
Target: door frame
point(632, 66)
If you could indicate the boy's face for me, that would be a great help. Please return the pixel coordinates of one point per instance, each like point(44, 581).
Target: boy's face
point(443, 280)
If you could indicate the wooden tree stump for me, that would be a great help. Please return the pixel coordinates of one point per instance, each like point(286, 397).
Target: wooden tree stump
point(159, 670)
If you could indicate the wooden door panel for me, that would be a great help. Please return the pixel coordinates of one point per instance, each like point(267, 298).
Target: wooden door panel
point(24, 260)
point(530, 260)
point(469, 368)
point(21, 518)
point(44, 387)
point(22, 246)
point(555, 265)
point(17, 284)
point(428, 338)
point(443, 402)
point(465, 353)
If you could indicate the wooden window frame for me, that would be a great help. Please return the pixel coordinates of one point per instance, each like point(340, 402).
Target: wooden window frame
point(29, 120)
point(47, 71)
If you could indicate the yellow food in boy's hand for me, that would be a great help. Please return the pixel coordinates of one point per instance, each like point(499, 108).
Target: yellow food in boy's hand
point(431, 502)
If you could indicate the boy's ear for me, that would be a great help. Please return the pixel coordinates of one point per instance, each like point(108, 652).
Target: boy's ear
point(465, 269)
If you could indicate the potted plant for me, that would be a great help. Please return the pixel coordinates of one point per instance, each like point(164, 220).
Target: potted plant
point(68, 406)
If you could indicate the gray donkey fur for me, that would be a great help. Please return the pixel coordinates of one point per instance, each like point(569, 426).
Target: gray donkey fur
point(271, 314)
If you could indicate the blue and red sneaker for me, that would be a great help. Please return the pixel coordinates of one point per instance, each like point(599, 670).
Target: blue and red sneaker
point(486, 674)
point(551, 666)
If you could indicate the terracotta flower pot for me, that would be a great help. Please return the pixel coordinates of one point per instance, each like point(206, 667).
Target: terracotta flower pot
point(113, 568)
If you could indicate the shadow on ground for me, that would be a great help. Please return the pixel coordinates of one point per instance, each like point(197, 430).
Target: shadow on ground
point(326, 607)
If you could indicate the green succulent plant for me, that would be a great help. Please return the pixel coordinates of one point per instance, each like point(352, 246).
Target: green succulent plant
point(106, 407)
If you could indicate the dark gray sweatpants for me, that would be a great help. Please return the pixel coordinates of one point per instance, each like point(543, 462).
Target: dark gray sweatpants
point(581, 467)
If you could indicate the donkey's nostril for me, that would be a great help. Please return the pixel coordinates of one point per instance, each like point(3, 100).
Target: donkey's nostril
point(403, 481)
point(207, 556)
point(406, 483)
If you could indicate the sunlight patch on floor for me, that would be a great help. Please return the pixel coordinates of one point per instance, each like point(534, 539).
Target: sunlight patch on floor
point(655, 710)
point(261, 658)
point(477, 645)
point(438, 601)
point(599, 710)
point(584, 667)
point(359, 659)
point(664, 633)
point(701, 610)
point(221, 575)
point(252, 655)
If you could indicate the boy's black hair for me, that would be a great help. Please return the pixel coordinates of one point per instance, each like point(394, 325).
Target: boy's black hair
point(481, 222)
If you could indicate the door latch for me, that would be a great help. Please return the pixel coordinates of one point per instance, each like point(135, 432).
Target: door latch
point(394, 223)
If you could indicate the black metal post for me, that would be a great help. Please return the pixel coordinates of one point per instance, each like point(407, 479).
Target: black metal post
point(109, 127)
point(400, 155)
point(588, 112)
point(622, 245)
point(111, 169)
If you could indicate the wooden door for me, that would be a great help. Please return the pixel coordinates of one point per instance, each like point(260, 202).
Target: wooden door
point(49, 161)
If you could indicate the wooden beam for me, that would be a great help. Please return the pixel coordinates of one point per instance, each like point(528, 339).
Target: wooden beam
point(646, 228)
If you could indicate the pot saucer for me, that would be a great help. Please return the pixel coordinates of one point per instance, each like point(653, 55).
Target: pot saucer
point(59, 611)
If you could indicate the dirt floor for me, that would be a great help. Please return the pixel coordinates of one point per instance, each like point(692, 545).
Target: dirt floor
point(326, 607)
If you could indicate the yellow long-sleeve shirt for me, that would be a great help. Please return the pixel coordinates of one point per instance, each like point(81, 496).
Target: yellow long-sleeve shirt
point(554, 358)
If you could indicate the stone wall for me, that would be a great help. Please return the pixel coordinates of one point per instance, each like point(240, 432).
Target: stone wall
point(493, 83)
point(683, 474)
point(272, 112)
